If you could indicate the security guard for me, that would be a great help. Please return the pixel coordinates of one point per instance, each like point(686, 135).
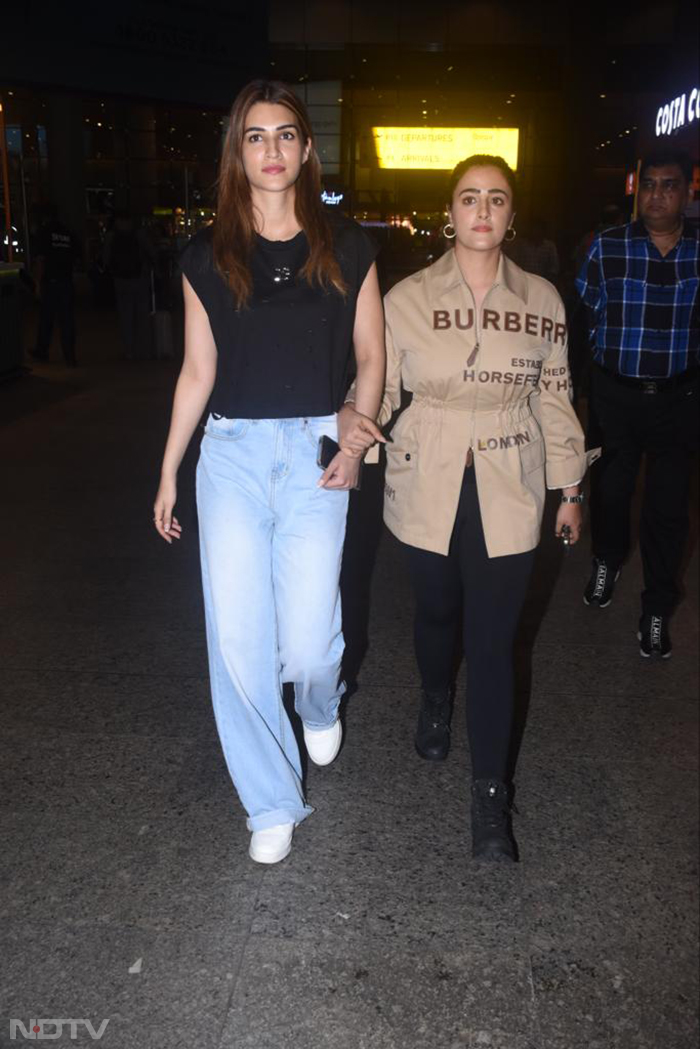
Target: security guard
point(482, 346)
point(55, 252)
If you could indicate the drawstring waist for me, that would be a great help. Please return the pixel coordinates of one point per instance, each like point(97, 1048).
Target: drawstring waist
point(519, 411)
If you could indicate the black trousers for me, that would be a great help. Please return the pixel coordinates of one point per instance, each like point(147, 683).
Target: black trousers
point(664, 426)
point(57, 303)
point(487, 595)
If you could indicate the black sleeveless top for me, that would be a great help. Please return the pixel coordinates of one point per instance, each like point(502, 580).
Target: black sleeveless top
point(287, 353)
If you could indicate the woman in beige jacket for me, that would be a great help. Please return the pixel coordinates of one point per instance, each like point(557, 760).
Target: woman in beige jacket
point(482, 347)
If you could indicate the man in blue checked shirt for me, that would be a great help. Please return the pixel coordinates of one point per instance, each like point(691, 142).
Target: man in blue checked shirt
point(640, 284)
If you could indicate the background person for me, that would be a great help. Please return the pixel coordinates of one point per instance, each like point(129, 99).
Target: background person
point(640, 284)
point(610, 215)
point(535, 252)
point(129, 257)
point(275, 298)
point(55, 252)
point(478, 342)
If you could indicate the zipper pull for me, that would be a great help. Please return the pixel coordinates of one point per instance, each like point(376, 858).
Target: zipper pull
point(472, 355)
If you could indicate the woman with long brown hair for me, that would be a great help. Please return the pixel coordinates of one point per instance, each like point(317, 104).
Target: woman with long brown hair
point(277, 293)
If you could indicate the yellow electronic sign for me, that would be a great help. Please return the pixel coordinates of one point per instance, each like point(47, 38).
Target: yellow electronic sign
point(440, 148)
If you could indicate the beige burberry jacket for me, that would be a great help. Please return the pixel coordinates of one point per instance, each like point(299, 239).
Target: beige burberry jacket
point(498, 383)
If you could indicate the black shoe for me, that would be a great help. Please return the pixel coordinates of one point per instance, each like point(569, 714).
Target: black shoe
point(492, 831)
point(601, 584)
point(433, 729)
point(653, 637)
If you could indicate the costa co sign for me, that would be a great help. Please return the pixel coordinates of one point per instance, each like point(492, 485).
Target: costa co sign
point(50, 1030)
point(676, 114)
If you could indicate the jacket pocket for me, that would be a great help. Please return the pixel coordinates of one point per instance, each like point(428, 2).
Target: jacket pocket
point(402, 449)
point(532, 456)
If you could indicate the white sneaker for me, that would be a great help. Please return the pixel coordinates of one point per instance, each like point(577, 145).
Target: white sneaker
point(271, 844)
point(323, 744)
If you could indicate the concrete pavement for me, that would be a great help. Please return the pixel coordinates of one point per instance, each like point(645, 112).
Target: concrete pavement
point(127, 893)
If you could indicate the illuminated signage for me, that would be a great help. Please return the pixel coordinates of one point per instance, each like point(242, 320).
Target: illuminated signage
point(332, 197)
point(441, 148)
point(676, 114)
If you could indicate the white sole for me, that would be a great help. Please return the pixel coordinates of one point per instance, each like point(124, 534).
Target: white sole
point(269, 858)
point(592, 603)
point(648, 655)
point(594, 600)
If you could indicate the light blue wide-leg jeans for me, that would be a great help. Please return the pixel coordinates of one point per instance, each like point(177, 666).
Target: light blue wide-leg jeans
point(271, 543)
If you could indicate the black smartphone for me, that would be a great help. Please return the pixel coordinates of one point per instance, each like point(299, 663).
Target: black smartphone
point(327, 451)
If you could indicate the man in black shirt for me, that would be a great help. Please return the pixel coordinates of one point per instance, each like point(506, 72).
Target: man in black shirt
point(55, 254)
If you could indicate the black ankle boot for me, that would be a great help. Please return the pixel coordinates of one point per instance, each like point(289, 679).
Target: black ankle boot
point(433, 729)
point(492, 832)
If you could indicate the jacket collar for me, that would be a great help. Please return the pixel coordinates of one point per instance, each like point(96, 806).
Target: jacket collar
point(445, 275)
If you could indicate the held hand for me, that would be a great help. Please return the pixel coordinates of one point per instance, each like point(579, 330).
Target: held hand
point(357, 432)
point(166, 524)
point(341, 473)
point(569, 514)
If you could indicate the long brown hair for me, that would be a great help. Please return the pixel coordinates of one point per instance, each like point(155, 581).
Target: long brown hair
point(234, 228)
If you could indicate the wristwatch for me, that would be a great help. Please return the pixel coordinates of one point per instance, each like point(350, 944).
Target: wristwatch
point(573, 498)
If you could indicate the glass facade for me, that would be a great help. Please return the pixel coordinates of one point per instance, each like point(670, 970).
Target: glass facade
point(154, 160)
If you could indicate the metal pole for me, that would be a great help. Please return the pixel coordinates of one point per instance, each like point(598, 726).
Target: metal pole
point(6, 183)
point(353, 146)
point(636, 190)
point(27, 247)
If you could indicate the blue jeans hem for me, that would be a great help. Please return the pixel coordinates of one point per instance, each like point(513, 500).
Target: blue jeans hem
point(277, 817)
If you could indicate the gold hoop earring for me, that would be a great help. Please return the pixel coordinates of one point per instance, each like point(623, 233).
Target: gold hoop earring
point(452, 235)
point(508, 239)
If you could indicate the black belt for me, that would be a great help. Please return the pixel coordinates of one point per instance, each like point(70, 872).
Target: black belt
point(651, 385)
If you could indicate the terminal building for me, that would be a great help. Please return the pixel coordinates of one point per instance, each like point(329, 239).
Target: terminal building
point(124, 107)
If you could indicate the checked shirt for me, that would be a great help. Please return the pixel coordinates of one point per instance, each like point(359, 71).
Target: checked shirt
point(643, 306)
